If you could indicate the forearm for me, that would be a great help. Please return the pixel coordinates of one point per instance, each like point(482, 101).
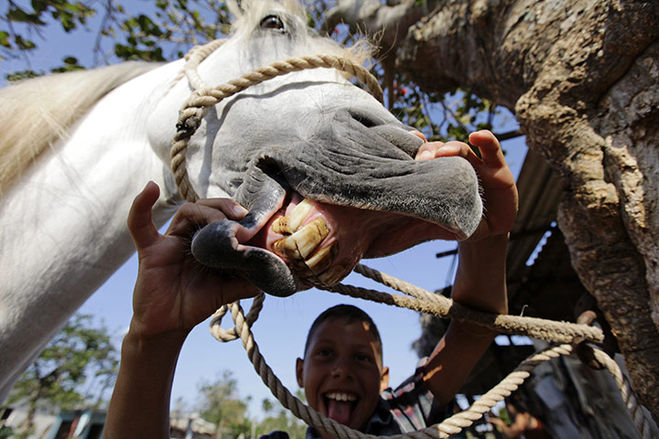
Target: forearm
point(139, 407)
point(480, 283)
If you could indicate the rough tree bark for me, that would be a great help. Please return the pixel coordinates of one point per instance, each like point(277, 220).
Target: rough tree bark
point(582, 77)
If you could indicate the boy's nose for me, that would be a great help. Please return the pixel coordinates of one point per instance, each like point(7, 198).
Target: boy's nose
point(340, 369)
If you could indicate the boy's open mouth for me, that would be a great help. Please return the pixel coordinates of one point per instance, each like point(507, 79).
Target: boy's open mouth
point(340, 406)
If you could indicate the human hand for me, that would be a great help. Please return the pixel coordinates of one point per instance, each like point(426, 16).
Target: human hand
point(499, 190)
point(173, 291)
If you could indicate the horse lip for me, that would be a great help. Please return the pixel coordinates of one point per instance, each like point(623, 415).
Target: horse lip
point(383, 191)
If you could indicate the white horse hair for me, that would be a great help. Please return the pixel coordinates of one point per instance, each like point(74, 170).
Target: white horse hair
point(76, 148)
point(33, 111)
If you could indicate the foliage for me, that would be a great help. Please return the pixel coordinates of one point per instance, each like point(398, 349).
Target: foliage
point(164, 30)
point(69, 15)
point(441, 117)
point(220, 403)
point(80, 354)
point(278, 418)
point(177, 25)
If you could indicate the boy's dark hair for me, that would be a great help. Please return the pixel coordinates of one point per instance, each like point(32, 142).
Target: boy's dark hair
point(350, 313)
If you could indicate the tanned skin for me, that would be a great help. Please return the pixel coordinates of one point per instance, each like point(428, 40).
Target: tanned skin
point(173, 294)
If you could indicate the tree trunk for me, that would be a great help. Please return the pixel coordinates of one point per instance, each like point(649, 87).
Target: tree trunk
point(582, 79)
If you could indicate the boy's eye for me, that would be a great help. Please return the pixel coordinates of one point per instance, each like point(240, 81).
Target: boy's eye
point(324, 352)
point(364, 358)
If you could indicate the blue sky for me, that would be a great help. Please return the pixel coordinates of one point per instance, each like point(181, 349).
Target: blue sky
point(282, 327)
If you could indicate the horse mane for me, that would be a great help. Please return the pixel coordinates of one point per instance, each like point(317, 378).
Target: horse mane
point(38, 112)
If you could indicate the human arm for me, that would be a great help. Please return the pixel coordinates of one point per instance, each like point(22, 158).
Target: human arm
point(518, 426)
point(173, 294)
point(480, 281)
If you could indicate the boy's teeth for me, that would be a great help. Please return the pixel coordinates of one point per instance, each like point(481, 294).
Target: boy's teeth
point(341, 396)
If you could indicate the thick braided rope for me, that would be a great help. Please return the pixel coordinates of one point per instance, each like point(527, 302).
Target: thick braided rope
point(189, 121)
point(193, 58)
point(225, 335)
point(424, 301)
point(449, 426)
point(196, 107)
point(641, 417)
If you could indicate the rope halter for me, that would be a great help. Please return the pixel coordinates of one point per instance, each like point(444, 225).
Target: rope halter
point(203, 97)
point(570, 334)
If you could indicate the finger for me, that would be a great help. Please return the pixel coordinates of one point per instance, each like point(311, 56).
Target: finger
point(419, 134)
point(140, 221)
point(237, 289)
point(489, 147)
point(459, 149)
point(192, 216)
point(427, 151)
point(227, 206)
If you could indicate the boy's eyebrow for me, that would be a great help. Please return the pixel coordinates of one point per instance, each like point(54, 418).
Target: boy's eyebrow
point(368, 345)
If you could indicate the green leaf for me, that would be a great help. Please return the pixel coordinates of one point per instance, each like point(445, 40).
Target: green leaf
point(4, 39)
point(18, 15)
point(24, 44)
point(39, 6)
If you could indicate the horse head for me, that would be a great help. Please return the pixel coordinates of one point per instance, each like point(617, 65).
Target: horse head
point(325, 170)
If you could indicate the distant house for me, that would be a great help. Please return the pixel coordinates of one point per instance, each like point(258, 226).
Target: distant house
point(14, 416)
point(191, 427)
point(79, 424)
point(88, 424)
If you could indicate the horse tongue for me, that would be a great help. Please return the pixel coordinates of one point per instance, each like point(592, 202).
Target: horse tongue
point(339, 411)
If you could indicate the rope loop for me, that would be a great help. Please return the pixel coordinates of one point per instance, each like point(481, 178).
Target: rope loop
point(224, 335)
point(415, 298)
point(203, 97)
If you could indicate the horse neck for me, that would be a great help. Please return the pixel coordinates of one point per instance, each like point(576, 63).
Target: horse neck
point(64, 222)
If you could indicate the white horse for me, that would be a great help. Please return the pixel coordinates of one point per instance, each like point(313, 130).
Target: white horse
point(77, 147)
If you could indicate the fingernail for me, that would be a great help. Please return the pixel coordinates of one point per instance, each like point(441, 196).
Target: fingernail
point(426, 155)
point(448, 148)
point(239, 210)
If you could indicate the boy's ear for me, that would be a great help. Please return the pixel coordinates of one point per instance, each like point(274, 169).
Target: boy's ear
point(384, 378)
point(299, 372)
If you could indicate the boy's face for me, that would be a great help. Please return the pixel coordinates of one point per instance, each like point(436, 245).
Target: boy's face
point(342, 372)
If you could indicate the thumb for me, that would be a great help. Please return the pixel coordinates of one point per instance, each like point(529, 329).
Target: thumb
point(140, 221)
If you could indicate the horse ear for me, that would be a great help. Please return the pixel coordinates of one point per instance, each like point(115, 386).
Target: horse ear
point(236, 8)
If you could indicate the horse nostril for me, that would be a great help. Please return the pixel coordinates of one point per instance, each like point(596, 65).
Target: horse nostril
point(364, 119)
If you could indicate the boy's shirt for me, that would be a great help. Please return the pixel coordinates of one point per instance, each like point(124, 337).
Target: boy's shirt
point(409, 407)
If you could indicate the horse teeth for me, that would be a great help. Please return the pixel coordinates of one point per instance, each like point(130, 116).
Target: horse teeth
point(288, 224)
point(287, 248)
point(302, 243)
point(282, 225)
point(298, 214)
point(333, 275)
point(322, 259)
point(308, 237)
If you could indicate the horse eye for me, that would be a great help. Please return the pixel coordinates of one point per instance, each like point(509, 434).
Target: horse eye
point(272, 22)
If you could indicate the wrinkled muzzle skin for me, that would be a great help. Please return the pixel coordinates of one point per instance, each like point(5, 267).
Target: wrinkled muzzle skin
point(365, 197)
